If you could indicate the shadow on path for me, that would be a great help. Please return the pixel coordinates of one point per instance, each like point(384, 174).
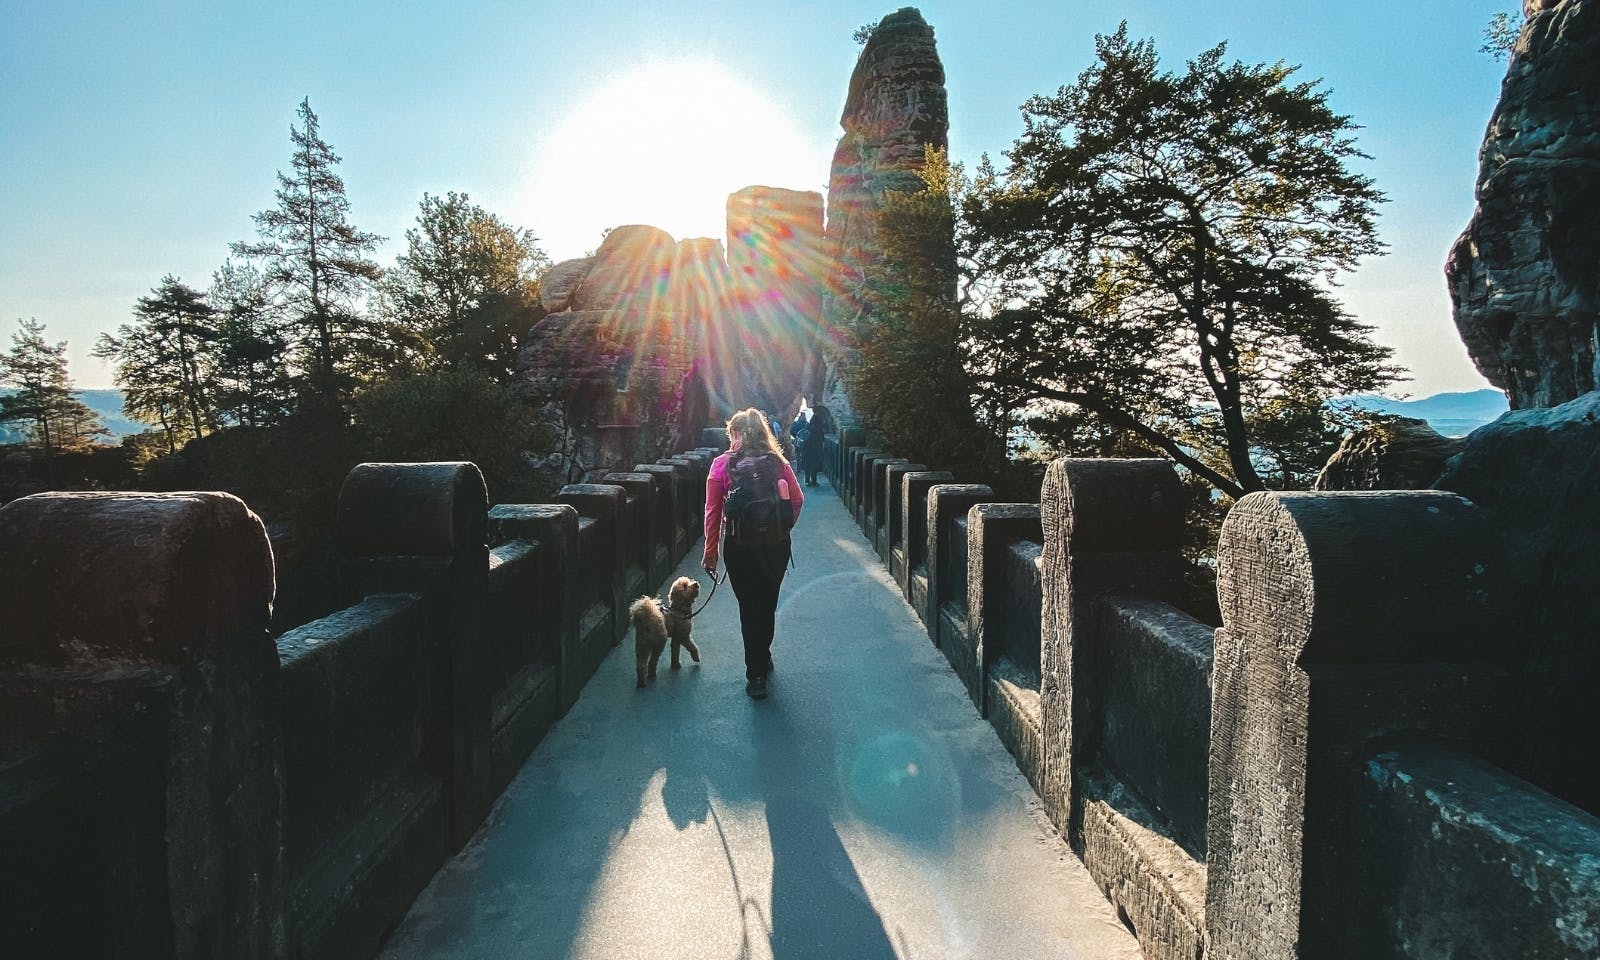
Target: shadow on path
point(863, 811)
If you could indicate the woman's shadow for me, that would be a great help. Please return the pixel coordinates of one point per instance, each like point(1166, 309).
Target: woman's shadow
point(820, 907)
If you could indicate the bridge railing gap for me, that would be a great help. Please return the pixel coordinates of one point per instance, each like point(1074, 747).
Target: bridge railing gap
point(1341, 792)
point(177, 784)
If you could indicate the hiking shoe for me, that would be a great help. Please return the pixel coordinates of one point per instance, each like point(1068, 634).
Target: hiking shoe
point(756, 687)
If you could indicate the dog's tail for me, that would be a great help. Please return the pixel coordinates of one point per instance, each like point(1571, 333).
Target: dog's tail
point(646, 610)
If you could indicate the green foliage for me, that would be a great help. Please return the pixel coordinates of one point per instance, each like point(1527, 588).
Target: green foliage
point(465, 291)
point(41, 398)
point(458, 414)
point(254, 386)
point(315, 268)
point(1158, 256)
point(864, 33)
point(165, 360)
point(910, 383)
point(1500, 35)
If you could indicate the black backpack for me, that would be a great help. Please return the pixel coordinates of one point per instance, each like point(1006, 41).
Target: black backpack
point(754, 514)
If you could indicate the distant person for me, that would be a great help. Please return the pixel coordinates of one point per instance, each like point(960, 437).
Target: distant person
point(752, 500)
point(811, 448)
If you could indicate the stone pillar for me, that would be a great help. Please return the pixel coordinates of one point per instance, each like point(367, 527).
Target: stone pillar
point(714, 439)
point(604, 504)
point(422, 528)
point(849, 438)
point(670, 494)
point(645, 538)
point(135, 653)
point(1346, 617)
point(946, 501)
point(554, 527)
point(1109, 526)
point(861, 488)
point(892, 547)
point(914, 489)
point(991, 530)
point(690, 481)
point(878, 503)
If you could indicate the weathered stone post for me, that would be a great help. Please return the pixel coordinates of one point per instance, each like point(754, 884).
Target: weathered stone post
point(914, 488)
point(891, 540)
point(714, 439)
point(645, 537)
point(422, 528)
point(602, 503)
point(849, 438)
point(878, 496)
point(139, 707)
point(670, 497)
point(946, 501)
point(553, 528)
point(991, 530)
point(1109, 525)
point(866, 508)
point(860, 484)
point(1346, 617)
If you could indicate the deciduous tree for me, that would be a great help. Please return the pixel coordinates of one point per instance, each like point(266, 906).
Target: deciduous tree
point(1166, 246)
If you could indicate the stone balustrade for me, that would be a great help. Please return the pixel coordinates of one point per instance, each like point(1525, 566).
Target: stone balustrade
point(1323, 776)
point(177, 784)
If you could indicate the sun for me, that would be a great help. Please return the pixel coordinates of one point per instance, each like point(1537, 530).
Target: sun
point(662, 145)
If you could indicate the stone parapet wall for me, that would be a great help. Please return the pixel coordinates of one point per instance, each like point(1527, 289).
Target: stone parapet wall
point(177, 784)
point(1264, 790)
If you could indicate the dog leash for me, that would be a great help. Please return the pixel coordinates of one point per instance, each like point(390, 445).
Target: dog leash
point(715, 583)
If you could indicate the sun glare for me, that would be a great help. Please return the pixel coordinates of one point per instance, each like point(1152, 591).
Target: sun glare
point(663, 145)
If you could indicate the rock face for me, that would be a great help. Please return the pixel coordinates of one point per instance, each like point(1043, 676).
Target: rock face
point(777, 262)
point(612, 370)
point(651, 340)
point(896, 106)
point(1525, 276)
point(1534, 471)
point(1405, 454)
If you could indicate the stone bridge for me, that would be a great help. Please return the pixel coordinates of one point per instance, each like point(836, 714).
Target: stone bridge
point(991, 732)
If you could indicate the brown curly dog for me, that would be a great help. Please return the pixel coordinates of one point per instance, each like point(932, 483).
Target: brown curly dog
point(654, 623)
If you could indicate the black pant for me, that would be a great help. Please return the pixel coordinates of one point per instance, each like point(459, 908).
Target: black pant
point(756, 572)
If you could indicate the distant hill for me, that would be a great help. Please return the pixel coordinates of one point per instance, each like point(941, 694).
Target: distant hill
point(1452, 414)
point(107, 403)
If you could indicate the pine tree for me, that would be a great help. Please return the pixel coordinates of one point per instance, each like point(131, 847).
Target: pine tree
point(43, 399)
point(315, 264)
point(165, 360)
point(253, 385)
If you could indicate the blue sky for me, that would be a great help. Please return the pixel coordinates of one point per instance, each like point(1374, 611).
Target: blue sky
point(138, 138)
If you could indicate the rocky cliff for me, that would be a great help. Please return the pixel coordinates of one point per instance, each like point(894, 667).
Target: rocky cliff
point(895, 107)
point(1525, 276)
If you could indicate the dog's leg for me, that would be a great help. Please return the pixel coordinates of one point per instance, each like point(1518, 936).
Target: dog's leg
point(641, 657)
point(655, 655)
point(694, 651)
point(675, 644)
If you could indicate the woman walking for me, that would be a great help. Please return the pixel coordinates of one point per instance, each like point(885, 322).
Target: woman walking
point(752, 499)
point(811, 449)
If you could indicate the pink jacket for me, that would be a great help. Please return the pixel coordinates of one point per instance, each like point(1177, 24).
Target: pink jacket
point(717, 493)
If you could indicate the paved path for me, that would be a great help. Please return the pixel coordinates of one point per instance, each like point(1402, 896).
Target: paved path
point(862, 812)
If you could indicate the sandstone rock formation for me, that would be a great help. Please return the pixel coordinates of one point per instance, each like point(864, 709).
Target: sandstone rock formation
point(1535, 472)
point(1403, 454)
point(611, 371)
point(777, 262)
point(896, 106)
point(1525, 276)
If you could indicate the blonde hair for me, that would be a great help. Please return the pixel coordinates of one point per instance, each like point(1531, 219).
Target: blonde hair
point(748, 432)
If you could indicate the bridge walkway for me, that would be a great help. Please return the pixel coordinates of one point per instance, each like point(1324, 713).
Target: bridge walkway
point(862, 812)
